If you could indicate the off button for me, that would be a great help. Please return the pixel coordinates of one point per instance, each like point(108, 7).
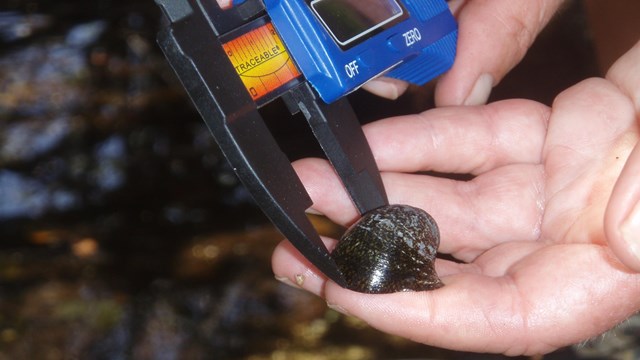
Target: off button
point(367, 58)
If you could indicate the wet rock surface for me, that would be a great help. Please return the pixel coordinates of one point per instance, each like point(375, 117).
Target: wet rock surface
point(123, 232)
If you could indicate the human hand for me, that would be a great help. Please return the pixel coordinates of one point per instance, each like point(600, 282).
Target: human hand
point(494, 35)
point(537, 271)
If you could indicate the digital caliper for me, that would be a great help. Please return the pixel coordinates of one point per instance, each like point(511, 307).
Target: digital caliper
point(310, 53)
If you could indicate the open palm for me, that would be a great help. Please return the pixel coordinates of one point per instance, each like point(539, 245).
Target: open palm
point(535, 272)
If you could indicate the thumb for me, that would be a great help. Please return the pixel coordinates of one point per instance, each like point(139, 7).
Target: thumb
point(386, 87)
point(494, 36)
point(224, 4)
point(622, 219)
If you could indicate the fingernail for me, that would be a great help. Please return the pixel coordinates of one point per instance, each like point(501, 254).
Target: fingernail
point(481, 91)
point(285, 280)
point(312, 211)
point(630, 230)
point(454, 5)
point(383, 89)
point(338, 308)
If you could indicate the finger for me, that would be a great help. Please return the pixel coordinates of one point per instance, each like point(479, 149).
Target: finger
point(329, 196)
point(455, 6)
point(292, 268)
point(391, 88)
point(451, 317)
point(622, 221)
point(461, 139)
point(625, 73)
point(493, 37)
point(224, 4)
point(476, 215)
point(472, 216)
point(386, 87)
point(538, 307)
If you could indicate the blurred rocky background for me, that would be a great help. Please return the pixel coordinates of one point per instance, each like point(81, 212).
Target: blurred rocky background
point(125, 235)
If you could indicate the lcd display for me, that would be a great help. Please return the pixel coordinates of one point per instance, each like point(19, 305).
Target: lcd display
point(350, 20)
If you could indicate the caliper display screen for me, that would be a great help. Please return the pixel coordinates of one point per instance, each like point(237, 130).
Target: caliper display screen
point(351, 20)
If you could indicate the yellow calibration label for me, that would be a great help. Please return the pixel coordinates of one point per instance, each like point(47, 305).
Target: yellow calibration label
point(261, 60)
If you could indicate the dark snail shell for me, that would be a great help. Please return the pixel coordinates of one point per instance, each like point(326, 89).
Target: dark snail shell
point(390, 249)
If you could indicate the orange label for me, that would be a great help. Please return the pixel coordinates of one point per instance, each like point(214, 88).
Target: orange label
point(261, 61)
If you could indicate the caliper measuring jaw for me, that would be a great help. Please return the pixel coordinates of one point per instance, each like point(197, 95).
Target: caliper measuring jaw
point(192, 41)
point(310, 53)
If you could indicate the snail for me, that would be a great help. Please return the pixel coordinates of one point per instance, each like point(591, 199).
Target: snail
point(390, 249)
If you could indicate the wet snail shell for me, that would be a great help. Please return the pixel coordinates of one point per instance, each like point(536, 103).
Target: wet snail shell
point(390, 249)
